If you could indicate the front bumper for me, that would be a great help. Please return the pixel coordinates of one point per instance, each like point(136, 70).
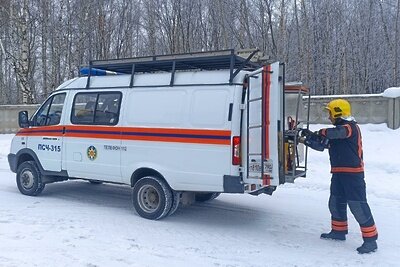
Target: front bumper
point(12, 161)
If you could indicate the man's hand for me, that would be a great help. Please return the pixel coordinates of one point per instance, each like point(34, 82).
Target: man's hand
point(302, 139)
point(306, 133)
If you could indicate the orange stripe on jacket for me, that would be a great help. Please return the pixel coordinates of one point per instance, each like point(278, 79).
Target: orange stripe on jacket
point(349, 130)
point(360, 152)
point(347, 169)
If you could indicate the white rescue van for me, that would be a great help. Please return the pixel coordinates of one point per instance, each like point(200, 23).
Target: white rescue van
point(175, 128)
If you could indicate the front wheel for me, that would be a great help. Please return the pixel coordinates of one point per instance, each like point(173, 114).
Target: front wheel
point(29, 179)
point(152, 198)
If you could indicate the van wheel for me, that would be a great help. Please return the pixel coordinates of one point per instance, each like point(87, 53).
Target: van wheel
point(152, 198)
point(29, 179)
point(175, 203)
point(202, 197)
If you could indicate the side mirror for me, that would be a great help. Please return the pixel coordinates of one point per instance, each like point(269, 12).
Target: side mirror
point(23, 120)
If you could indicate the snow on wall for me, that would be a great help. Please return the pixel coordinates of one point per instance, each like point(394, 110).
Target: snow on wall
point(392, 92)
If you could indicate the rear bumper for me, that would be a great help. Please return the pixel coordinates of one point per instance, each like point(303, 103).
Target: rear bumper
point(12, 161)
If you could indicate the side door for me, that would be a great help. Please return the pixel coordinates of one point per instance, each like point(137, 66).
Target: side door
point(45, 135)
point(92, 139)
point(263, 127)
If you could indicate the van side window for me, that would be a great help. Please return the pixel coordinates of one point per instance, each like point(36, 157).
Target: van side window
point(96, 108)
point(50, 112)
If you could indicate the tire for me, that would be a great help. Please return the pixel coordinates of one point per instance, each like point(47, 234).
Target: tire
point(152, 198)
point(29, 179)
point(95, 182)
point(175, 203)
point(203, 197)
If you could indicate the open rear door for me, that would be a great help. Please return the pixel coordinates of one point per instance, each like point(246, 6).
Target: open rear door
point(263, 134)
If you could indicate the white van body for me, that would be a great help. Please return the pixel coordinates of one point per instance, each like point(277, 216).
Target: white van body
point(182, 134)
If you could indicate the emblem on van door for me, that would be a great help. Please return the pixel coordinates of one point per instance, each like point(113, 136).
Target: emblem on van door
point(91, 153)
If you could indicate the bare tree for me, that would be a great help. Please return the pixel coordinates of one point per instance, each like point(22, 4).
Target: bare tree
point(335, 46)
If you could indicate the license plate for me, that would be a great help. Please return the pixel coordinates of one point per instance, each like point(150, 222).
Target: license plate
point(256, 167)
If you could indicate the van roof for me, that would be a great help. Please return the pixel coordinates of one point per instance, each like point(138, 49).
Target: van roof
point(213, 60)
point(161, 79)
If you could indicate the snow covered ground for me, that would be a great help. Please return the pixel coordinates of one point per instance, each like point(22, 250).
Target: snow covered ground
point(79, 224)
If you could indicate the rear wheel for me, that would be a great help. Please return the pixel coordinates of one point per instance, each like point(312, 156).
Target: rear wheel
point(152, 198)
point(175, 203)
point(29, 179)
point(202, 197)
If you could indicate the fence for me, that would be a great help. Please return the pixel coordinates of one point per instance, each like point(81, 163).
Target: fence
point(373, 108)
point(366, 109)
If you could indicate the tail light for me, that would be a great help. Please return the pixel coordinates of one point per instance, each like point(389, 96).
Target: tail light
point(236, 151)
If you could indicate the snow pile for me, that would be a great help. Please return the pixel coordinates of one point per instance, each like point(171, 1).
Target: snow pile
point(75, 223)
point(392, 92)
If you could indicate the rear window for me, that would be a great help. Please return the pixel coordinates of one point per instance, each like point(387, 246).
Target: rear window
point(96, 108)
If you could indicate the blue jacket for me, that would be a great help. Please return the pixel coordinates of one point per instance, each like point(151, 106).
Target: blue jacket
point(345, 147)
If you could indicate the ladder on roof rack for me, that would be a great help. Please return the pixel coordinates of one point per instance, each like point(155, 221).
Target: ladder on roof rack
point(212, 60)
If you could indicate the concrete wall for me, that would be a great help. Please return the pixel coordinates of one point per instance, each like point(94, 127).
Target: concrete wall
point(9, 116)
point(365, 108)
point(394, 113)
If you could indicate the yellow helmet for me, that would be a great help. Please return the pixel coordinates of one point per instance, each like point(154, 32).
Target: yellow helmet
point(339, 108)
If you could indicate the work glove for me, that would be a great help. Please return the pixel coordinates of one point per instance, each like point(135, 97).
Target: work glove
point(306, 132)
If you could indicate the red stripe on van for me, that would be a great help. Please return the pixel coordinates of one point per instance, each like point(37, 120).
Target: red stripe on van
point(197, 136)
point(179, 131)
point(178, 140)
point(41, 131)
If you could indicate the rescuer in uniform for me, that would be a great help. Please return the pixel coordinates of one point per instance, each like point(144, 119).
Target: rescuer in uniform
point(347, 168)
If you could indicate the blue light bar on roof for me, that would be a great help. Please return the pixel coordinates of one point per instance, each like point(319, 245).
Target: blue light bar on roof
point(84, 71)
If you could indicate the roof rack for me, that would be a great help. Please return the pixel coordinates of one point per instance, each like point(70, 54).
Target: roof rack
point(213, 60)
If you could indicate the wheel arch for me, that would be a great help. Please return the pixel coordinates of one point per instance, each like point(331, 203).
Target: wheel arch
point(143, 172)
point(27, 154)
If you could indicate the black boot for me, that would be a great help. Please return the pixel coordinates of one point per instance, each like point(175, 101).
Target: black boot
point(368, 247)
point(334, 236)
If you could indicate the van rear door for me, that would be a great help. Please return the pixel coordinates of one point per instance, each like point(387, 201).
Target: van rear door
point(262, 131)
